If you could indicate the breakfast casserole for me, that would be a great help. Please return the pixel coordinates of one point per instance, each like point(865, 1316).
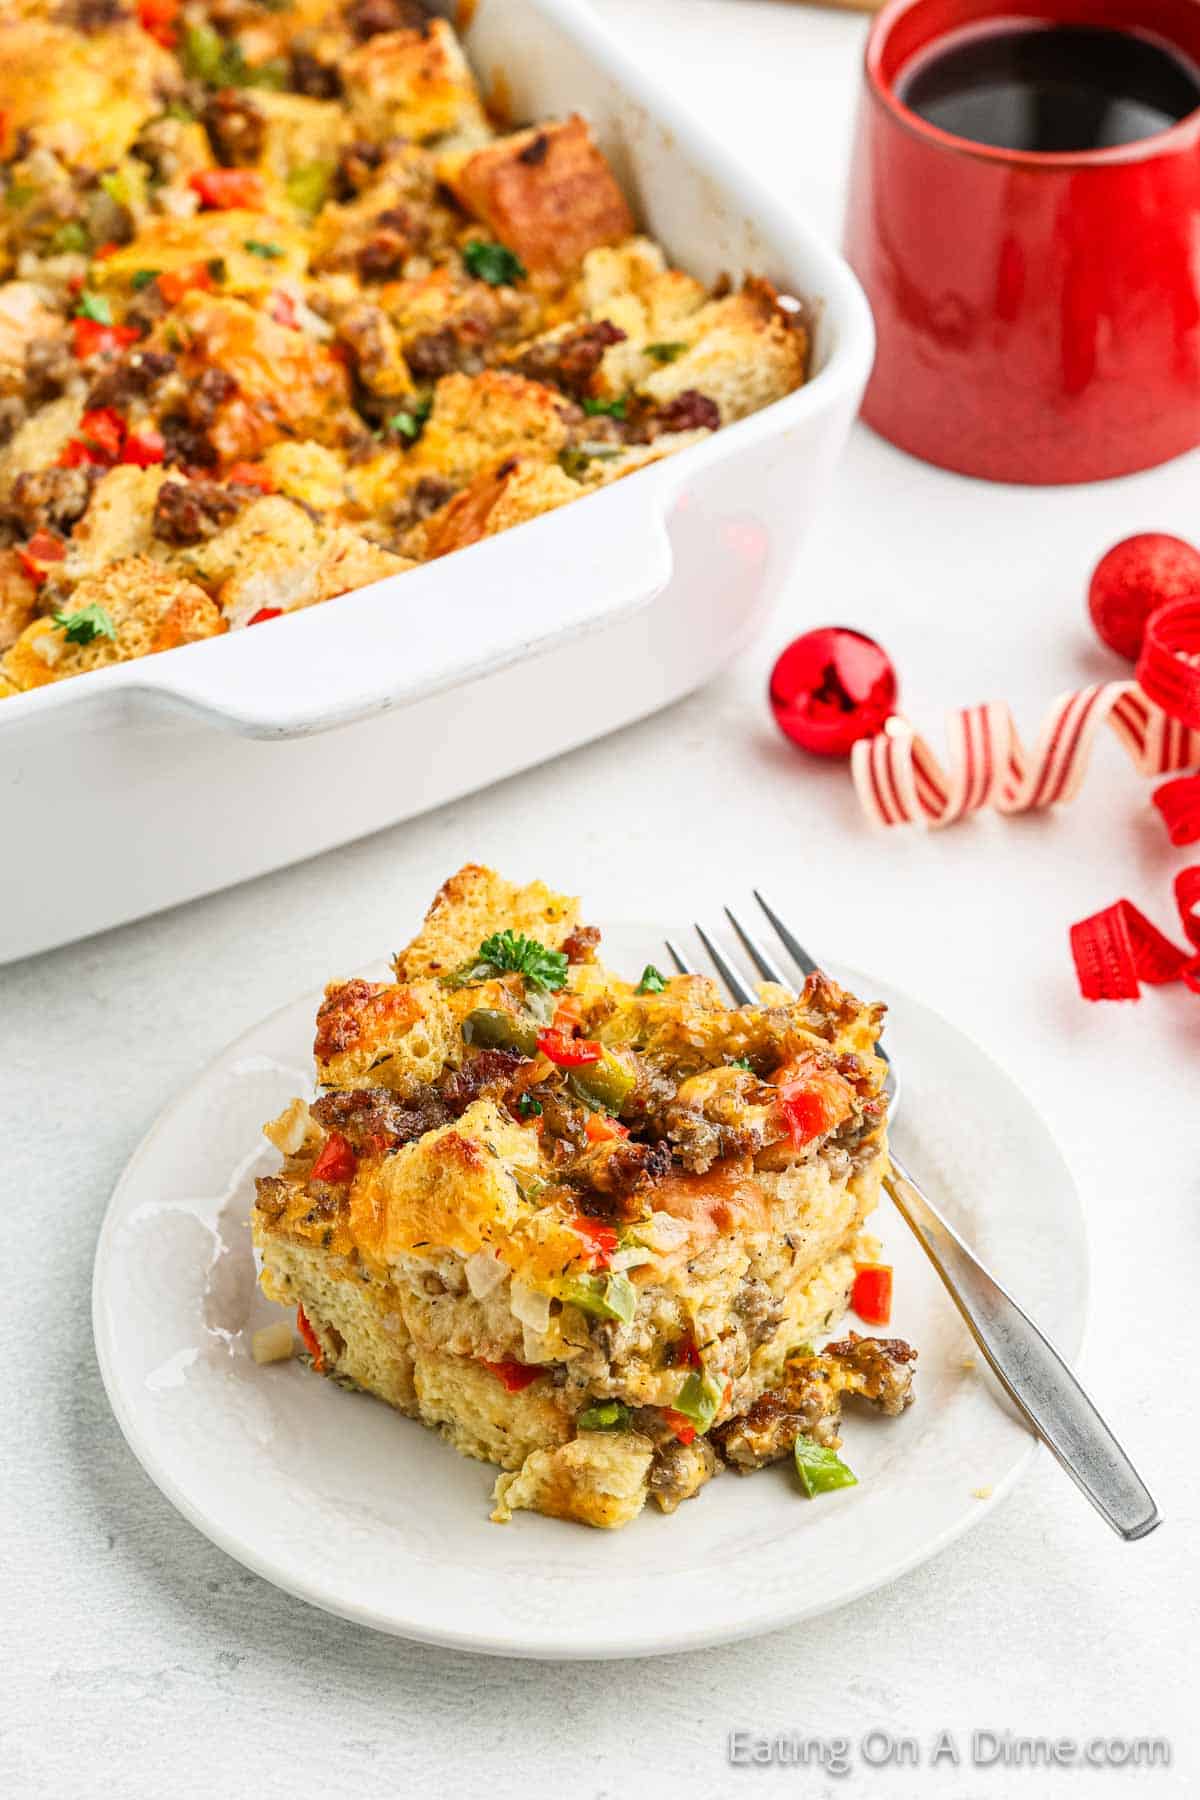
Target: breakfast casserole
point(587, 1228)
point(284, 312)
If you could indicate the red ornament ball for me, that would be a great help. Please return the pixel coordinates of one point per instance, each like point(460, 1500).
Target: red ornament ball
point(1137, 577)
point(830, 688)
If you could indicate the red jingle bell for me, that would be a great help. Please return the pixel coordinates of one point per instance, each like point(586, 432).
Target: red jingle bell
point(1139, 575)
point(830, 688)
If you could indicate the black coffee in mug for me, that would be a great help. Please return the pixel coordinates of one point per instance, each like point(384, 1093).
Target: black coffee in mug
point(1050, 87)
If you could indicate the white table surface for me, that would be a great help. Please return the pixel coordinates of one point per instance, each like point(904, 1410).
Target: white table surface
point(141, 1661)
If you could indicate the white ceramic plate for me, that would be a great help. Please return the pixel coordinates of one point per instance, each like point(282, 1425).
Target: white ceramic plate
point(334, 1497)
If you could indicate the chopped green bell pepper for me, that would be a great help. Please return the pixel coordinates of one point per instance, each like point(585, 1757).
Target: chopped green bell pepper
point(821, 1470)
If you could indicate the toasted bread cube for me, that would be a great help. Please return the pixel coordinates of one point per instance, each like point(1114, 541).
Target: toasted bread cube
point(25, 319)
point(308, 472)
point(150, 608)
point(341, 561)
point(398, 1036)
point(299, 132)
point(18, 599)
point(479, 420)
point(547, 193)
point(470, 906)
point(84, 95)
point(470, 1406)
point(165, 244)
point(456, 1187)
point(415, 84)
point(288, 385)
point(269, 532)
point(519, 489)
point(742, 352)
point(599, 1479)
point(37, 443)
point(117, 523)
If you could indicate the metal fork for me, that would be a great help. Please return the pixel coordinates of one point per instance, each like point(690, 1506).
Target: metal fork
point(1027, 1365)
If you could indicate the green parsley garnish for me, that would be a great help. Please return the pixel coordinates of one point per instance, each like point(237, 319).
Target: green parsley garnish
point(408, 424)
point(528, 1107)
point(85, 626)
point(94, 306)
point(665, 353)
point(821, 1470)
point(653, 980)
point(511, 953)
point(256, 247)
point(741, 1062)
point(493, 263)
point(142, 279)
point(607, 1415)
point(614, 409)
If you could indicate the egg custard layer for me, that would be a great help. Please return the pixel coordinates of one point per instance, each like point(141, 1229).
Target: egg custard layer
point(587, 1228)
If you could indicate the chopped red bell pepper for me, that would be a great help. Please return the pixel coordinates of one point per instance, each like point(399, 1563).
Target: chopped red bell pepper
point(311, 1341)
point(264, 613)
point(601, 1238)
point(102, 251)
point(248, 474)
point(283, 309)
point(514, 1375)
point(98, 441)
point(337, 1161)
point(220, 188)
point(42, 548)
point(601, 1129)
point(144, 448)
point(871, 1295)
point(804, 1112)
point(565, 1052)
point(103, 430)
point(91, 337)
point(158, 18)
point(683, 1428)
point(173, 284)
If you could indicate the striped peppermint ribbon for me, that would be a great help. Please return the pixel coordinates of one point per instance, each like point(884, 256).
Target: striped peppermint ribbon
point(1156, 718)
point(901, 782)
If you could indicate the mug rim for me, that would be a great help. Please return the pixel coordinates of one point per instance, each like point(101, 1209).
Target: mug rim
point(1182, 134)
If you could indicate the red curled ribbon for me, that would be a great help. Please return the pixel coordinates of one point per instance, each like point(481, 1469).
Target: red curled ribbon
point(1157, 720)
point(1118, 949)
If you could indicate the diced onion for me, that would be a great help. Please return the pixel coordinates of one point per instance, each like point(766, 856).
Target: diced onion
point(530, 1307)
point(533, 1347)
point(274, 1343)
point(484, 1272)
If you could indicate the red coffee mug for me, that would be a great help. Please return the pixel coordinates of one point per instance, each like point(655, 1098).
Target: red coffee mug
point(1038, 315)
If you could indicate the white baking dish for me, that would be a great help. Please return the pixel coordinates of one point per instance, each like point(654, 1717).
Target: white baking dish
point(148, 783)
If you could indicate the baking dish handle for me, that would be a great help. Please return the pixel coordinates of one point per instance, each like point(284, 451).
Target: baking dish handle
point(446, 624)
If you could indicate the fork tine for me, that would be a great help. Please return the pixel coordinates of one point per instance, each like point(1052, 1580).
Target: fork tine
point(791, 943)
point(743, 995)
point(769, 970)
point(685, 968)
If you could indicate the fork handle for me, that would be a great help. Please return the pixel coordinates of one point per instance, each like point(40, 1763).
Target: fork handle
point(1033, 1374)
